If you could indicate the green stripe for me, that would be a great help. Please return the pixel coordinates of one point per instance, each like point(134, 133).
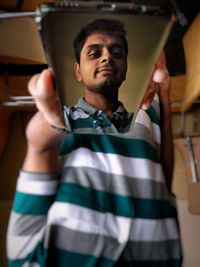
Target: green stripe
point(32, 204)
point(153, 115)
point(38, 255)
point(112, 144)
point(61, 258)
point(82, 123)
point(116, 204)
point(88, 122)
point(16, 263)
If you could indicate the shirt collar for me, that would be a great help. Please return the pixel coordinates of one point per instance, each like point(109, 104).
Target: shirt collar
point(120, 118)
point(82, 104)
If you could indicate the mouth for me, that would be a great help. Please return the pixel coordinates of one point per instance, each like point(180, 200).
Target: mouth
point(106, 71)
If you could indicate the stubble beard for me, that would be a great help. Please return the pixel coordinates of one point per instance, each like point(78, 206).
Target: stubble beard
point(106, 86)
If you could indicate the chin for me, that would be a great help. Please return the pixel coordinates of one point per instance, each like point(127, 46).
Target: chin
point(108, 85)
point(106, 88)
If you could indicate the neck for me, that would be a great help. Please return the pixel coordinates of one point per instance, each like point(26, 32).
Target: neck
point(106, 103)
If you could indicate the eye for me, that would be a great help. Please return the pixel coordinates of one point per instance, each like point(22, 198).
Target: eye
point(117, 52)
point(94, 53)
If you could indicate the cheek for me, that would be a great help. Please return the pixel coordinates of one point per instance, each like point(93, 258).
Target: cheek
point(86, 73)
point(88, 70)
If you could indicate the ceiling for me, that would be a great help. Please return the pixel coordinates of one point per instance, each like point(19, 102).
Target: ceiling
point(188, 9)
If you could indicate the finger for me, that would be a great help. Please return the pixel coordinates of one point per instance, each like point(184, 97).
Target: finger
point(32, 84)
point(149, 95)
point(41, 86)
point(45, 84)
point(160, 75)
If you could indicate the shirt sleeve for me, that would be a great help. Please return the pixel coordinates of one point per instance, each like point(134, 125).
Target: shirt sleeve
point(34, 195)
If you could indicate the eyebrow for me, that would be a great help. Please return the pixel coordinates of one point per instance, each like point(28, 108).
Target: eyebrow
point(93, 46)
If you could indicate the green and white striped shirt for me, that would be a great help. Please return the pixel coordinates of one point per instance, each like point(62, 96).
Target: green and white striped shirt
point(108, 207)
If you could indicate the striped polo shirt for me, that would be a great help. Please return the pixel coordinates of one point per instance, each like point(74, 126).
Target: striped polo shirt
point(108, 206)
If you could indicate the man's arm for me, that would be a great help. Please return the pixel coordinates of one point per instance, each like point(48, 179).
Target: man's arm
point(43, 143)
point(161, 80)
point(42, 140)
point(167, 153)
point(37, 183)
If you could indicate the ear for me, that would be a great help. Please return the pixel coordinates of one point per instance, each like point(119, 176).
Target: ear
point(77, 71)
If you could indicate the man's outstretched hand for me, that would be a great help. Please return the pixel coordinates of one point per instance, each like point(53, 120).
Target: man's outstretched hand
point(43, 140)
point(160, 81)
point(41, 87)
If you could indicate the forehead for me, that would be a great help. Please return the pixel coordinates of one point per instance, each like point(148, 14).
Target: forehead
point(102, 39)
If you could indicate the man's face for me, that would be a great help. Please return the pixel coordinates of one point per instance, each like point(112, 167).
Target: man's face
point(103, 63)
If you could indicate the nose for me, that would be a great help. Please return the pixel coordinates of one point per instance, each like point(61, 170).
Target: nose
point(106, 56)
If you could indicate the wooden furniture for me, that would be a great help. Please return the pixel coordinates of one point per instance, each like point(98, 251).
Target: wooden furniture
point(20, 44)
point(191, 42)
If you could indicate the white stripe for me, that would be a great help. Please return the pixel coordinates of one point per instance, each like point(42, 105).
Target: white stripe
point(116, 164)
point(157, 133)
point(19, 247)
point(79, 114)
point(89, 221)
point(156, 98)
point(154, 230)
point(37, 187)
point(143, 118)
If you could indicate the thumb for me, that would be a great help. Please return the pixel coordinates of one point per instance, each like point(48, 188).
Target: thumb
point(45, 85)
point(160, 75)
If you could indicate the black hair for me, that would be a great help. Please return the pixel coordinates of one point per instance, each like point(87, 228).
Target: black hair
point(107, 26)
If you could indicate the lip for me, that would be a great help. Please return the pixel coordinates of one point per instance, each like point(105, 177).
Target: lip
point(106, 70)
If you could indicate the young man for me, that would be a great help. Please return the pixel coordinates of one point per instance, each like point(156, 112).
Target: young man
point(107, 201)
